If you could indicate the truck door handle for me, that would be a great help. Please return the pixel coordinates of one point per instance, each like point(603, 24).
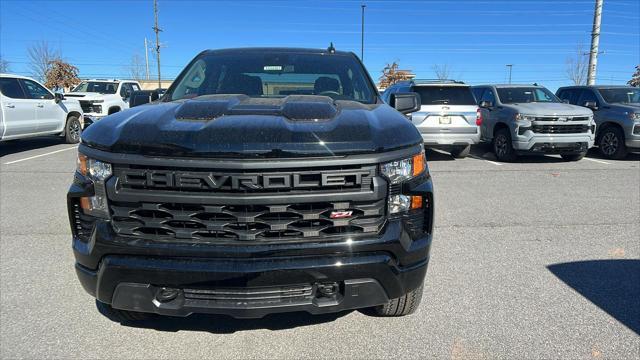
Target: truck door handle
point(40, 105)
point(11, 106)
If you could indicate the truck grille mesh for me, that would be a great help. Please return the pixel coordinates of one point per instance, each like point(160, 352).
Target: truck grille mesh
point(202, 223)
point(560, 129)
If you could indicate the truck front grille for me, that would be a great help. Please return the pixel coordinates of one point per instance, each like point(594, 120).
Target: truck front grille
point(82, 224)
point(219, 223)
point(89, 107)
point(560, 129)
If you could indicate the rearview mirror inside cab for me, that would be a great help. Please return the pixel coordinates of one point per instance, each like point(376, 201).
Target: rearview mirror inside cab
point(405, 102)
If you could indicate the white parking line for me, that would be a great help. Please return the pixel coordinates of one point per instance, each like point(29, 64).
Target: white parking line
point(41, 155)
point(596, 160)
point(479, 158)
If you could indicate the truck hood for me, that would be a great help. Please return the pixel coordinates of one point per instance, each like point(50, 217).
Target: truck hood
point(87, 95)
point(243, 127)
point(545, 109)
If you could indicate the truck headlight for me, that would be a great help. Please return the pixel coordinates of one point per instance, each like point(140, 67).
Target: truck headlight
point(525, 118)
point(97, 172)
point(400, 170)
point(635, 116)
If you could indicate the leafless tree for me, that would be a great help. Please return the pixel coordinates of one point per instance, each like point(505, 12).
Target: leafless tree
point(442, 71)
point(4, 65)
point(41, 56)
point(136, 68)
point(577, 67)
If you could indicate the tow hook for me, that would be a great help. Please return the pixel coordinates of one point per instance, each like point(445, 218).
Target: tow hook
point(327, 289)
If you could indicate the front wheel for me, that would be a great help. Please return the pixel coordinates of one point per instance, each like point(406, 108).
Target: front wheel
point(611, 143)
point(72, 130)
point(461, 152)
point(573, 157)
point(404, 305)
point(502, 146)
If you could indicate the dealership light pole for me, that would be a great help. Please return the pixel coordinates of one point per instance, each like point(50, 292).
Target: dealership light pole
point(157, 30)
point(595, 42)
point(362, 34)
point(510, 66)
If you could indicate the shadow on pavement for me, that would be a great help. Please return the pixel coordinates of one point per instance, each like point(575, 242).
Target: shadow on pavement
point(594, 153)
point(16, 146)
point(222, 324)
point(612, 285)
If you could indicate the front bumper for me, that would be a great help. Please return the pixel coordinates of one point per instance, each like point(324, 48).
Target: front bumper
point(554, 144)
point(632, 138)
point(90, 119)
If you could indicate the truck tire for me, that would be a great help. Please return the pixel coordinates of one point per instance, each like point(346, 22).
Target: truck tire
point(404, 305)
point(460, 152)
point(573, 157)
point(121, 315)
point(72, 130)
point(502, 146)
point(611, 143)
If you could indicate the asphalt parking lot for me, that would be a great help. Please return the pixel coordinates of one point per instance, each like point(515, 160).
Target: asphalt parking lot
point(534, 259)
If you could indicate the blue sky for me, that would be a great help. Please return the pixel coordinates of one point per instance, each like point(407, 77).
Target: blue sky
point(474, 38)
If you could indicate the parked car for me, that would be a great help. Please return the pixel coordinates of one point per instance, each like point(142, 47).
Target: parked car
point(449, 116)
point(529, 119)
point(235, 194)
point(617, 115)
point(99, 97)
point(28, 109)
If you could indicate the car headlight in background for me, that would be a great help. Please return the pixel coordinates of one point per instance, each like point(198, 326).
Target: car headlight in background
point(98, 172)
point(525, 118)
point(401, 170)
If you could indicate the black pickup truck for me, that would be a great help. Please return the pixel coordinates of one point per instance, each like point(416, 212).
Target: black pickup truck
point(264, 180)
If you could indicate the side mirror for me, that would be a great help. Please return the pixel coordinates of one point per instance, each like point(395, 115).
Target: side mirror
point(58, 97)
point(591, 105)
point(486, 104)
point(405, 102)
point(142, 97)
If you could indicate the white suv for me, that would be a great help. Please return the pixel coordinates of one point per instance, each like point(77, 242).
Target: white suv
point(100, 98)
point(29, 109)
point(448, 118)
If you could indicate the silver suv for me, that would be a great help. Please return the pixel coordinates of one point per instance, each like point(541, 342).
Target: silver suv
point(448, 118)
point(519, 119)
point(617, 113)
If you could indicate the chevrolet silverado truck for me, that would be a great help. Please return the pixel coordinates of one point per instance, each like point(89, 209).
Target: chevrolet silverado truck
point(265, 180)
point(28, 109)
point(529, 119)
point(617, 114)
point(100, 98)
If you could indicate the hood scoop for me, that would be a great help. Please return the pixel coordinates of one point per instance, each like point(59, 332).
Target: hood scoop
point(293, 107)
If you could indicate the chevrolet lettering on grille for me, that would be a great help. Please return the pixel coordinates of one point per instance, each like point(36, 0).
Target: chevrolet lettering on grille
point(161, 179)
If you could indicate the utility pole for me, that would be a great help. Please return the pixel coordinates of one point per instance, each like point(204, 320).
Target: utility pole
point(146, 57)
point(157, 30)
point(362, 35)
point(510, 66)
point(595, 42)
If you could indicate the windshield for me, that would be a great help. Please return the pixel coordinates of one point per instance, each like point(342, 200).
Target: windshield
point(526, 95)
point(458, 95)
point(101, 87)
point(275, 75)
point(621, 95)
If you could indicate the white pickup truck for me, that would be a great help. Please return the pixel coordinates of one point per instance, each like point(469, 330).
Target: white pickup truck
point(28, 109)
point(100, 98)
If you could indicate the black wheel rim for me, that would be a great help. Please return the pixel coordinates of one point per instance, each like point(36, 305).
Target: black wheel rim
point(501, 145)
point(609, 143)
point(74, 130)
